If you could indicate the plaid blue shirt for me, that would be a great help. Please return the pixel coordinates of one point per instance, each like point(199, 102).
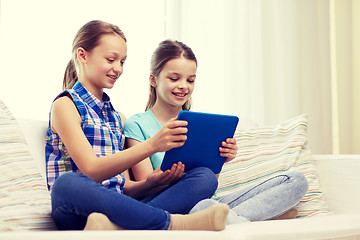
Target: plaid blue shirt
point(102, 127)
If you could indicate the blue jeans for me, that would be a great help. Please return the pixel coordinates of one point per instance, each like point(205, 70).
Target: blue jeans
point(262, 201)
point(75, 196)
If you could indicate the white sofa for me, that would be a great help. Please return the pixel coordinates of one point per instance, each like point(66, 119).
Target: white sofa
point(340, 183)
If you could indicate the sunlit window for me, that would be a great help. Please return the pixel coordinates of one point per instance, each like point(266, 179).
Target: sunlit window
point(35, 46)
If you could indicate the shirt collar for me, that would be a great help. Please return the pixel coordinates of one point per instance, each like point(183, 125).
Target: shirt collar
point(91, 100)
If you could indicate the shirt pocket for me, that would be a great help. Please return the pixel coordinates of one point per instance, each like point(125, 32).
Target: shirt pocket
point(101, 138)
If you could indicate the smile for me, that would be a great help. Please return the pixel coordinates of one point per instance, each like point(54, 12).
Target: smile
point(114, 77)
point(180, 94)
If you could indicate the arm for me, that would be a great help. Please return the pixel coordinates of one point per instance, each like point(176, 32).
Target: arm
point(142, 169)
point(66, 121)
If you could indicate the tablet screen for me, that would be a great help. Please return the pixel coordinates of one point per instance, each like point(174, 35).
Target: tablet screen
point(206, 132)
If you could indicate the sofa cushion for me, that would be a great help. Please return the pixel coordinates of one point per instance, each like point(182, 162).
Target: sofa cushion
point(24, 198)
point(267, 151)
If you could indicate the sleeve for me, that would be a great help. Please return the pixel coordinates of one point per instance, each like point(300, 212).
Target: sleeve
point(133, 130)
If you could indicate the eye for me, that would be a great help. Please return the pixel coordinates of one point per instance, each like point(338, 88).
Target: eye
point(110, 60)
point(191, 79)
point(173, 79)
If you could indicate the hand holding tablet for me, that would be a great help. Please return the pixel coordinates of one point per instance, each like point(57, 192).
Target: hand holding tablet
point(205, 134)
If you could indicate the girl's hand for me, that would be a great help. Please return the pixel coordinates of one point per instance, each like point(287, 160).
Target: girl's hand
point(228, 149)
point(171, 135)
point(160, 178)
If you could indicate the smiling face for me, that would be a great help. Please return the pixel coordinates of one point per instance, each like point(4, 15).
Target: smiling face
point(175, 83)
point(102, 66)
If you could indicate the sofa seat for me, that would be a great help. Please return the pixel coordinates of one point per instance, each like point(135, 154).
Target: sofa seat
point(339, 226)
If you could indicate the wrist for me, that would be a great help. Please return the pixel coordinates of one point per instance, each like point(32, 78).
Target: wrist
point(151, 146)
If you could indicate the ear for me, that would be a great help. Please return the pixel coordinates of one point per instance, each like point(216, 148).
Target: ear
point(152, 80)
point(81, 55)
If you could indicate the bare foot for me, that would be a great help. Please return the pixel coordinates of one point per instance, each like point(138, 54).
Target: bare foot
point(291, 214)
point(99, 221)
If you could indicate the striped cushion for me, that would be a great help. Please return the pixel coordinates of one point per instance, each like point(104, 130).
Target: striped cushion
point(24, 198)
point(267, 151)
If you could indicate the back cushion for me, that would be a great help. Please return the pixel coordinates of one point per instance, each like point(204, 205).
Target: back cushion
point(24, 198)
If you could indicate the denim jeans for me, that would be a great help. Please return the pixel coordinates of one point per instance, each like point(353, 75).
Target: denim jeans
point(75, 196)
point(262, 201)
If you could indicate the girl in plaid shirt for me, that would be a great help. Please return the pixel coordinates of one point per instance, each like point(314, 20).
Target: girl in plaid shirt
point(85, 158)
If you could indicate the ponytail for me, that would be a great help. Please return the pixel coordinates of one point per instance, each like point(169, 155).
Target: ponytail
point(152, 98)
point(70, 76)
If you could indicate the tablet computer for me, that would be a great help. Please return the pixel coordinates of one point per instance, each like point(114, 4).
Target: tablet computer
point(205, 134)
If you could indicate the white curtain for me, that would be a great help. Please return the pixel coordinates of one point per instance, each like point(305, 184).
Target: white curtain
point(270, 60)
point(345, 74)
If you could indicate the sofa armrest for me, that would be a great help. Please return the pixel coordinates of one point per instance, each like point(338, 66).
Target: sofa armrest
point(340, 180)
point(34, 132)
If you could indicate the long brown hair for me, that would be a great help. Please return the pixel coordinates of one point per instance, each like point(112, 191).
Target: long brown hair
point(166, 51)
point(87, 38)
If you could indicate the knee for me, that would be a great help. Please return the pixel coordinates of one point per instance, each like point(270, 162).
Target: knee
point(202, 205)
point(299, 181)
point(206, 176)
point(65, 182)
point(65, 179)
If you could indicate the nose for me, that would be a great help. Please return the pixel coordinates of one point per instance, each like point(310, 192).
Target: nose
point(118, 69)
point(182, 84)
